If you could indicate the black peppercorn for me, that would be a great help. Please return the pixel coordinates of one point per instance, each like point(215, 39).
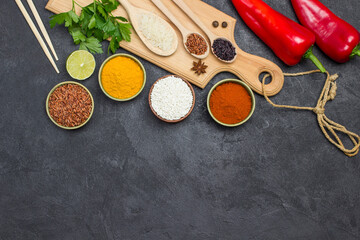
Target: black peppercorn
point(215, 24)
point(224, 49)
point(224, 24)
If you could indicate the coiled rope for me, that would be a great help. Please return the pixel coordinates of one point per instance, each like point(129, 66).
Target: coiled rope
point(328, 93)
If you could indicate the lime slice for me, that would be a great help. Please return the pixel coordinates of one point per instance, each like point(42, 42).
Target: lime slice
point(80, 64)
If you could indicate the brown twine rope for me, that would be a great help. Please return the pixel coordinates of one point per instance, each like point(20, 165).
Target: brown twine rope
point(326, 125)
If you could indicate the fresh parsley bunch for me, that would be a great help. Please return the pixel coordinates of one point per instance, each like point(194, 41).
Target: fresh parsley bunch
point(95, 24)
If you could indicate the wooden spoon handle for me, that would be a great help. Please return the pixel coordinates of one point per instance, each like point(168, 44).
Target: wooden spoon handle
point(248, 68)
point(171, 16)
point(128, 7)
point(195, 18)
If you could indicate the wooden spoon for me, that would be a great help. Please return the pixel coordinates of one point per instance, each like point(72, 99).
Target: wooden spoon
point(184, 31)
point(210, 35)
point(134, 14)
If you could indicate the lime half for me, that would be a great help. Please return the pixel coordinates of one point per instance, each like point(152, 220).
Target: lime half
point(80, 64)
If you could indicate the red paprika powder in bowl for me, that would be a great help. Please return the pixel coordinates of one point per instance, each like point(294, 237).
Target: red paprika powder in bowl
point(231, 102)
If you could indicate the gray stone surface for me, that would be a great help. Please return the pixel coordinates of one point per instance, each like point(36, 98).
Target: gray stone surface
point(127, 175)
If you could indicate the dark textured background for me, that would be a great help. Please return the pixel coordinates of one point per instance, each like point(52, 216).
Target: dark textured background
point(127, 175)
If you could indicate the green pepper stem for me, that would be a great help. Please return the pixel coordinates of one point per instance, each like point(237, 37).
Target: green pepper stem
point(310, 55)
point(356, 51)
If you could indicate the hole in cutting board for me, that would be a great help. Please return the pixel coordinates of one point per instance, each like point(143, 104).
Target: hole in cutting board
point(267, 80)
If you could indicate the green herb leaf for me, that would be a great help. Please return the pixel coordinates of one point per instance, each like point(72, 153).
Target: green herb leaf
point(90, 7)
point(109, 27)
point(114, 45)
point(102, 12)
point(91, 44)
point(73, 16)
point(92, 22)
point(106, 36)
point(122, 19)
point(77, 34)
point(95, 24)
point(113, 1)
point(110, 5)
point(85, 17)
point(100, 22)
point(125, 31)
point(99, 34)
point(57, 19)
point(69, 19)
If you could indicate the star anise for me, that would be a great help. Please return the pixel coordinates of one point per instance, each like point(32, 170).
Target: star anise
point(199, 67)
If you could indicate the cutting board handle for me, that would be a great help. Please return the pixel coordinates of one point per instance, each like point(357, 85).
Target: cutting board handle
point(249, 67)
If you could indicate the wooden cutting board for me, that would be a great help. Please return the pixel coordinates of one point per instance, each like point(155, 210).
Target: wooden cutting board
point(247, 67)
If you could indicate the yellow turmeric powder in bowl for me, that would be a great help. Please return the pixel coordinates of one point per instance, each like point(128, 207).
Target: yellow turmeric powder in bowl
point(122, 77)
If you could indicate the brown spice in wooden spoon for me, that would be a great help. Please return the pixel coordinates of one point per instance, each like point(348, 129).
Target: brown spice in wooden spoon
point(196, 44)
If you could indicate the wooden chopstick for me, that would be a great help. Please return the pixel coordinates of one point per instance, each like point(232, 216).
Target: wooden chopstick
point(36, 33)
point(42, 27)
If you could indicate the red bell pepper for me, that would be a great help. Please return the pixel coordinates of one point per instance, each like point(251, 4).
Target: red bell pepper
point(335, 37)
point(289, 40)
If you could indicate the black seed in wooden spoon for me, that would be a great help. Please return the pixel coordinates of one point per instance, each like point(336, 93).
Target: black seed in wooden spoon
point(224, 49)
